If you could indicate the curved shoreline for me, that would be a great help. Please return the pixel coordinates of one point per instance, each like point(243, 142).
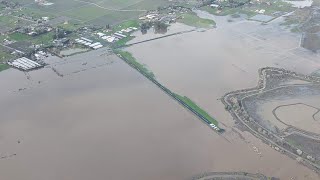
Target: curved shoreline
point(233, 102)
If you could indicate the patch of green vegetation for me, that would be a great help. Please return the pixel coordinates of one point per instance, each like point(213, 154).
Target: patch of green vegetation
point(123, 41)
point(295, 29)
point(2, 37)
point(225, 11)
point(196, 108)
point(86, 13)
point(149, 4)
point(118, 4)
point(133, 62)
point(8, 21)
point(316, 73)
point(290, 21)
point(188, 4)
point(45, 39)
point(235, 15)
point(4, 56)
point(70, 26)
point(192, 19)
point(298, 17)
point(4, 67)
point(2, 6)
point(34, 13)
point(294, 144)
point(277, 6)
point(270, 6)
point(16, 36)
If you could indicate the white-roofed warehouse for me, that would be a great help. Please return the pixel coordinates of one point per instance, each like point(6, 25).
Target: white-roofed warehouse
point(25, 64)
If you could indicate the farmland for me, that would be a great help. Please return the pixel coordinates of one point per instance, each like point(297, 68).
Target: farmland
point(270, 7)
point(192, 19)
point(93, 11)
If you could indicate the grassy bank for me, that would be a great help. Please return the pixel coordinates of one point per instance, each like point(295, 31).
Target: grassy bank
point(123, 41)
point(4, 67)
point(198, 109)
point(131, 60)
point(187, 103)
point(192, 19)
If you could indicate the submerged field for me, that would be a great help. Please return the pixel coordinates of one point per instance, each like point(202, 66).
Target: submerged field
point(104, 117)
point(206, 65)
point(91, 116)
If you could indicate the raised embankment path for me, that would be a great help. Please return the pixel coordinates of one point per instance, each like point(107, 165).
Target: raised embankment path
point(156, 38)
point(171, 94)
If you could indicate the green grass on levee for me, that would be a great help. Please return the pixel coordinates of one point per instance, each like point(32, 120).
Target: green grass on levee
point(198, 109)
point(130, 59)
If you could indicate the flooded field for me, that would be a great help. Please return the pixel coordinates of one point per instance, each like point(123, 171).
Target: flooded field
point(69, 52)
point(91, 116)
point(206, 65)
point(103, 120)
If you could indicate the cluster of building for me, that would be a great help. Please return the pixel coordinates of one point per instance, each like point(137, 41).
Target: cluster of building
point(25, 64)
point(40, 55)
point(89, 43)
point(117, 35)
point(43, 2)
point(167, 14)
point(34, 30)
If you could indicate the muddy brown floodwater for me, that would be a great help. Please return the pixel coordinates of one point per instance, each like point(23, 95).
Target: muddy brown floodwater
point(104, 120)
point(206, 65)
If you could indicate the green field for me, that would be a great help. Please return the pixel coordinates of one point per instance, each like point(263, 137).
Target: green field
point(115, 18)
point(36, 14)
point(86, 13)
point(192, 19)
point(96, 12)
point(122, 41)
point(4, 56)
point(118, 4)
point(4, 67)
point(71, 26)
point(16, 36)
point(59, 6)
point(12, 22)
point(274, 7)
point(45, 39)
